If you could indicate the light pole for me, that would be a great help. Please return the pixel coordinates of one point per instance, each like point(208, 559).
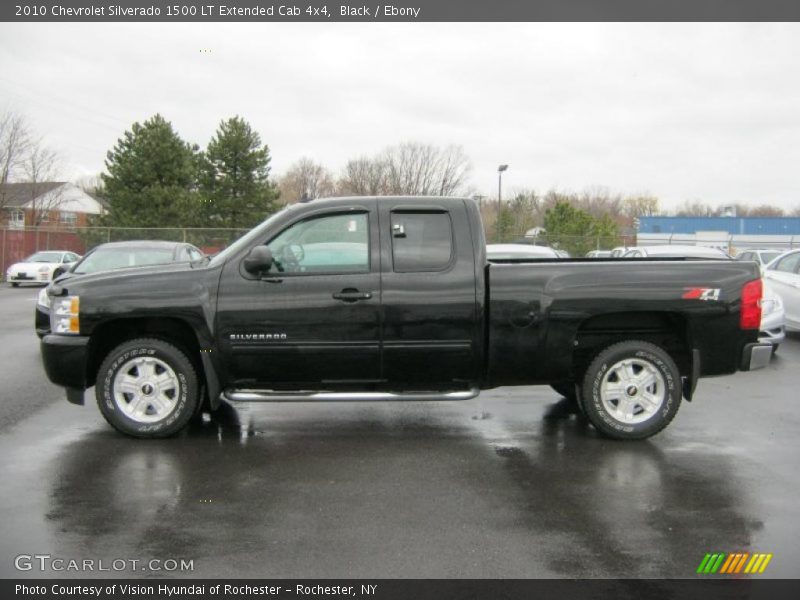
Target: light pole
point(500, 170)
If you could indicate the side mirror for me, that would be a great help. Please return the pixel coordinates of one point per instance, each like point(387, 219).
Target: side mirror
point(58, 271)
point(258, 260)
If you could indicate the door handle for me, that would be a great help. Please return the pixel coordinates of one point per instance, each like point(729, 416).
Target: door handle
point(351, 295)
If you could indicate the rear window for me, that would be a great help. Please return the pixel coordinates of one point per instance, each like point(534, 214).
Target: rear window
point(421, 241)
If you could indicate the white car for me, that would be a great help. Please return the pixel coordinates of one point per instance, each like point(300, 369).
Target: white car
point(773, 317)
point(39, 267)
point(783, 275)
point(598, 254)
point(763, 256)
point(518, 251)
point(676, 251)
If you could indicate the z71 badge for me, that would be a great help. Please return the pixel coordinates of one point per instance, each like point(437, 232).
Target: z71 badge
point(699, 293)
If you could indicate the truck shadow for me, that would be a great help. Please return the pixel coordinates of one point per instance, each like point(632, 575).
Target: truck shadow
point(262, 491)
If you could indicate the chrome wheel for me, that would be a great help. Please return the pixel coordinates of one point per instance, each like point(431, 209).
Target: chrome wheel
point(632, 391)
point(146, 389)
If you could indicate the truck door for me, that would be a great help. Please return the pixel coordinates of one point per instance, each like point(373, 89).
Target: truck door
point(314, 317)
point(429, 295)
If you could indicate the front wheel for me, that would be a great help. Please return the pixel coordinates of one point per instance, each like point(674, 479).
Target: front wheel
point(147, 388)
point(631, 390)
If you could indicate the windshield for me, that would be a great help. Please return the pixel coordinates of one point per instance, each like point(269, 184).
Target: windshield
point(245, 240)
point(768, 257)
point(104, 259)
point(45, 257)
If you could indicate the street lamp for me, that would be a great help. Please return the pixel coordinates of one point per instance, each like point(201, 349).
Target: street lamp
point(500, 170)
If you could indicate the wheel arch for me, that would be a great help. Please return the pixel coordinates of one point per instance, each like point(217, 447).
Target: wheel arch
point(176, 331)
point(667, 330)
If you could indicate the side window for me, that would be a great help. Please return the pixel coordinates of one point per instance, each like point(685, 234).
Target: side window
point(746, 256)
point(789, 264)
point(421, 241)
point(194, 254)
point(327, 244)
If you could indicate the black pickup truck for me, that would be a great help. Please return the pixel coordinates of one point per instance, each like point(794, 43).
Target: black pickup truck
point(356, 299)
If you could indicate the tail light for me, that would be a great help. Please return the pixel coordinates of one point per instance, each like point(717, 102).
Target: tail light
point(750, 314)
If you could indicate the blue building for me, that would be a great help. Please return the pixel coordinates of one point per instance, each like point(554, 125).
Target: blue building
point(757, 226)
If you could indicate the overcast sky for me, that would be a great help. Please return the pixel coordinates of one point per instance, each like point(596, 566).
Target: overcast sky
point(682, 111)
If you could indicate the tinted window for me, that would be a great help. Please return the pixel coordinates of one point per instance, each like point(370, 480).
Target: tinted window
point(788, 264)
point(329, 244)
point(421, 241)
point(746, 256)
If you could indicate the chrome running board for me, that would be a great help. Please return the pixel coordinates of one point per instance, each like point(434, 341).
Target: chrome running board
point(310, 396)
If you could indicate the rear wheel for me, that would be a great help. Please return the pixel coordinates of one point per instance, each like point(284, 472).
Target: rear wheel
point(14, 284)
point(147, 388)
point(631, 390)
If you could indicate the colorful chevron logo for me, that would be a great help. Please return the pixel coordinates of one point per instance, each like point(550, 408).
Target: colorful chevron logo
point(733, 563)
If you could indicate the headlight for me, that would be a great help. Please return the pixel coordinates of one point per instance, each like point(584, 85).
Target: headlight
point(43, 300)
point(65, 315)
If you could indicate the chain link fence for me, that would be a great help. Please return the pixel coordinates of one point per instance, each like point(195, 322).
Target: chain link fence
point(18, 243)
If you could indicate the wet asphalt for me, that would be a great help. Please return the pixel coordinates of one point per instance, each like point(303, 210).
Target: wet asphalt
point(508, 485)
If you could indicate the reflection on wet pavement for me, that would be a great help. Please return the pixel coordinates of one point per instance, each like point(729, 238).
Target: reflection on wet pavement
point(498, 487)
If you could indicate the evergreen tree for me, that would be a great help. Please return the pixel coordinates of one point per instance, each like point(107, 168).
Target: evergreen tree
point(151, 178)
point(235, 177)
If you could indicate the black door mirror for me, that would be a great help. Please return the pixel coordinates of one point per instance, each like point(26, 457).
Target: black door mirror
point(58, 271)
point(258, 260)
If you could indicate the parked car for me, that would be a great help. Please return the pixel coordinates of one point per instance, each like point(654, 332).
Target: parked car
point(40, 267)
point(763, 256)
point(619, 251)
point(598, 254)
point(783, 274)
point(676, 251)
point(562, 253)
point(773, 317)
point(518, 251)
point(418, 314)
point(116, 255)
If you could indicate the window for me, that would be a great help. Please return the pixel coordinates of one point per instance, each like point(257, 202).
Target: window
point(789, 263)
point(746, 256)
point(328, 244)
point(17, 218)
point(69, 218)
point(421, 241)
point(194, 253)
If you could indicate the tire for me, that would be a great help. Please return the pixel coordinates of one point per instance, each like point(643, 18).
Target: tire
point(631, 390)
point(775, 348)
point(147, 388)
point(14, 284)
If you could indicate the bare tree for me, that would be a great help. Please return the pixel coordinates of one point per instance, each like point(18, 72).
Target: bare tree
point(306, 179)
point(696, 208)
point(363, 177)
point(14, 145)
point(763, 210)
point(41, 167)
point(641, 206)
point(426, 170)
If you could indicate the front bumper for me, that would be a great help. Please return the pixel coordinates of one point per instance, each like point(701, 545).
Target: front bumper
point(64, 358)
point(756, 356)
point(23, 277)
